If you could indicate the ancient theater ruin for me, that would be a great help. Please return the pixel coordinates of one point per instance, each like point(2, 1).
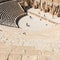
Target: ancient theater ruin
point(29, 29)
point(40, 15)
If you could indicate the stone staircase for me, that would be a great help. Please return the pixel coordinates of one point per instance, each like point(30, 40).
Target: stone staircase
point(9, 52)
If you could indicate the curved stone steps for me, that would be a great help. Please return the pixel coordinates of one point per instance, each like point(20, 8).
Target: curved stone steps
point(9, 12)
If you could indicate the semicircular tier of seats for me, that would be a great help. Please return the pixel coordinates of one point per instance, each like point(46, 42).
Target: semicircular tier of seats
point(9, 11)
point(2, 1)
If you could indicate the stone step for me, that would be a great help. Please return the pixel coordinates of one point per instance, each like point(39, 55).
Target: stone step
point(26, 53)
point(21, 49)
point(33, 52)
point(3, 56)
point(5, 48)
point(29, 57)
point(14, 57)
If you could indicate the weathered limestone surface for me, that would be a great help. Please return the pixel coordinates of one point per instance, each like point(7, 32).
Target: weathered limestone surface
point(18, 44)
point(33, 54)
